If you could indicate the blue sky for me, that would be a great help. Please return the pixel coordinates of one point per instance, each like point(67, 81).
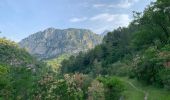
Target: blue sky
point(20, 18)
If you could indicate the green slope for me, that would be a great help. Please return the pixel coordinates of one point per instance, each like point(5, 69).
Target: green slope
point(19, 72)
point(137, 91)
point(56, 62)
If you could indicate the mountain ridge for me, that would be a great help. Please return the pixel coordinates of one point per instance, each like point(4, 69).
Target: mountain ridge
point(52, 42)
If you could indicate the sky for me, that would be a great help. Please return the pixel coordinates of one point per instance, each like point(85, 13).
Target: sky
point(21, 18)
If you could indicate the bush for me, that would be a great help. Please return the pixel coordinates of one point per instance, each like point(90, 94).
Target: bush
point(113, 87)
point(165, 77)
point(96, 91)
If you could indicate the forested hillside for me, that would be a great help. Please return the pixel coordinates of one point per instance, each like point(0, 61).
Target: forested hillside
point(139, 51)
point(20, 73)
point(131, 63)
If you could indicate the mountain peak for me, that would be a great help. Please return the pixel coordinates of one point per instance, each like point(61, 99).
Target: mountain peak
point(53, 42)
point(105, 32)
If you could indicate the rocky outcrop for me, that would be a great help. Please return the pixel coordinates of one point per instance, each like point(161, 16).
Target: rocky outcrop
point(52, 42)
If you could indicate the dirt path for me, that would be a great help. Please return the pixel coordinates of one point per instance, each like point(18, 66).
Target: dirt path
point(140, 90)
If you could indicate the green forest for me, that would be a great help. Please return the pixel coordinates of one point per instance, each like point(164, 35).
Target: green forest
point(131, 63)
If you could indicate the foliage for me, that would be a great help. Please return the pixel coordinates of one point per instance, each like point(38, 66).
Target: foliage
point(11, 54)
point(113, 87)
point(144, 43)
point(114, 48)
point(96, 91)
point(19, 72)
point(56, 62)
point(119, 69)
point(148, 66)
point(140, 50)
point(72, 87)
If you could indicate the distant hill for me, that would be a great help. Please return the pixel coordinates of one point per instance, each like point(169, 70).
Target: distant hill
point(52, 42)
point(104, 33)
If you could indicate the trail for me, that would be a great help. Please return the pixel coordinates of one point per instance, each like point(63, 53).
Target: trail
point(140, 90)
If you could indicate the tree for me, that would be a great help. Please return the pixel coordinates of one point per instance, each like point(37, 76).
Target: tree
point(148, 66)
point(153, 24)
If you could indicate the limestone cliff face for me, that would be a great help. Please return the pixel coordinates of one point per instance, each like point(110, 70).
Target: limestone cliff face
point(53, 42)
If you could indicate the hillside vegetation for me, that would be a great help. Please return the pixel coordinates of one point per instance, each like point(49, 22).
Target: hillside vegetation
point(56, 62)
point(139, 51)
point(131, 63)
point(19, 72)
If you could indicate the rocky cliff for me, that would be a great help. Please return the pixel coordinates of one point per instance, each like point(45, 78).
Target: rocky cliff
point(52, 42)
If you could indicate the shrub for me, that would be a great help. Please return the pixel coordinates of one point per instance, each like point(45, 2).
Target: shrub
point(96, 91)
point(113, 87)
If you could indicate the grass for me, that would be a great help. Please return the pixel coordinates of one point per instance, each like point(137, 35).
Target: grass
point(139, 91)
point(158, 94)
